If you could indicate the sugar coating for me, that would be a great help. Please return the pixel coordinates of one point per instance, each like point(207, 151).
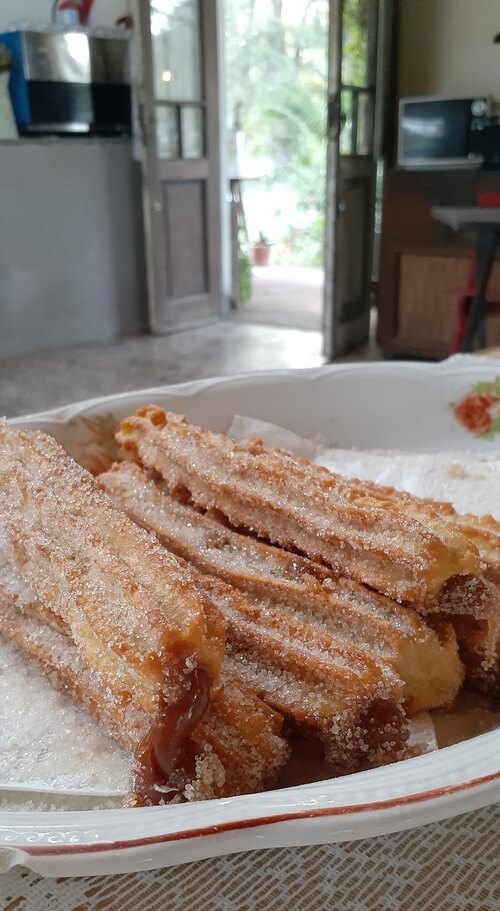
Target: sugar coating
point(468, 480)
point(78, 755)
point(389, 546)
point(47, 740)
point(274, 579)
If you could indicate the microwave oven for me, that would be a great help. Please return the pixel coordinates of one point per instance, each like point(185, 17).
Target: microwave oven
point(441, 132)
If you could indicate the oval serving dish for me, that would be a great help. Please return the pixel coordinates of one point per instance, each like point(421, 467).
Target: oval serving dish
point(412, 407)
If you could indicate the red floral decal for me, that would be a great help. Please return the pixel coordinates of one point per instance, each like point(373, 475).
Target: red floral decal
point(479, 410)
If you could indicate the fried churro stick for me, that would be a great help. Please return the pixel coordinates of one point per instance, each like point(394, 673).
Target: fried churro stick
point(132, 610)
point(479, 639)
point(382, 544)
point(331, 689)
point(390, 633)
point(238, 746)
point(320, 683)
point(484, 532)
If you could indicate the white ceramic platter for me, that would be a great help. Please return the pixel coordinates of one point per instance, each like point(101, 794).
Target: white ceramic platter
point(387, 406)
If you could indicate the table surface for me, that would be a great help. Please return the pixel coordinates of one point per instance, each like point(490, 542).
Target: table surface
point(466, 216)
point(448, 866)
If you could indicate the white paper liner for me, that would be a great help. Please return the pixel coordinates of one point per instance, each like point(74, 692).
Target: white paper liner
point(470, 481)
point(48, 742)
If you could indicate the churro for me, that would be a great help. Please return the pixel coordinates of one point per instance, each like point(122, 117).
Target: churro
point(289, 502)
point(328, 688)
point(130, 607)
point(237, 747)
point(477, 631)
point(426, 659)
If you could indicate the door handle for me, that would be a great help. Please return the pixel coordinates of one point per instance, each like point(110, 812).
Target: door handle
point(336, 117)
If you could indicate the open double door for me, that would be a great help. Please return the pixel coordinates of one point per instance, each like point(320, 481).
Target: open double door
point(177, 88)
point(178, 82)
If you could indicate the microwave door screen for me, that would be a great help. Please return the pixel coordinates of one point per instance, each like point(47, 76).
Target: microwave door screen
point(435, 131)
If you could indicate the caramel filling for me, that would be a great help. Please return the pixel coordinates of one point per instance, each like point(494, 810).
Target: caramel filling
point(167, 757)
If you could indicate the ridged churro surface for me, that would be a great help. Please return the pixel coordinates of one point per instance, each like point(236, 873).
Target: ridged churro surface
point(389, 546)
point(392, 634)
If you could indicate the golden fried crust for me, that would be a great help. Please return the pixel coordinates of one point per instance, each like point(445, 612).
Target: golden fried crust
point(126, 600)
point(482, 531)
point(331, 689)
point(131, 609)
point(290, 503)
point(246, 735)
point(479, 639)
point(321, 684)
point(391, 634)
point(238, 745)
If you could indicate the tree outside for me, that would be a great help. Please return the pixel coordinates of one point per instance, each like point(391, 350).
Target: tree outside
point(276, 77)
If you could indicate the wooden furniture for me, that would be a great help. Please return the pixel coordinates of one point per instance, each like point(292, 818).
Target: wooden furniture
point(473, 306)
point(423, 263)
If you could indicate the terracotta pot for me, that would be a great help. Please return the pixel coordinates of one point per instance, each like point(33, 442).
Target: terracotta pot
point(260, 254)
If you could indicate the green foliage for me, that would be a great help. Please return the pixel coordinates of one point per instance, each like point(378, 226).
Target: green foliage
point(492, 431)
point(276, 76)
point(359, 18)
point(245, 276)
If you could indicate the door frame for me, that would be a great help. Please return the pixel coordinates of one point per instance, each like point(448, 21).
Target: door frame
point(152, 200)
point(333, 202)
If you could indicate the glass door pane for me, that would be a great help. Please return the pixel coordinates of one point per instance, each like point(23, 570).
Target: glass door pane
point(177, 78)
point(359, 18)
point(192, 132)
point(364, 138)
point(175, 30)
point(358, 41)
point(346, 122)
point(167, 131)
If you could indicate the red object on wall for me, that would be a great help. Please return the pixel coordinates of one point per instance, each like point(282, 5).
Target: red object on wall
point(82, 7)
point(489, 200)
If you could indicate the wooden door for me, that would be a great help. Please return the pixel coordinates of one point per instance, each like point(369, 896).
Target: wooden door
point(354, 86)
point(177, 77)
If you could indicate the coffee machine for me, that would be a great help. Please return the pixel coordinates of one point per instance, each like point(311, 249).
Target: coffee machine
point(69, 81)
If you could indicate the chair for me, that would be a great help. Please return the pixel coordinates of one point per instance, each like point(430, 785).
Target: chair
point(492, 302)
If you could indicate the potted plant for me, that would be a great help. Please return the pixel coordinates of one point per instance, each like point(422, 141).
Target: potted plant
point(261, 249)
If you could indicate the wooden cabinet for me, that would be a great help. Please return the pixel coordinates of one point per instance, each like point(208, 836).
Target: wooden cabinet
point(423, 264)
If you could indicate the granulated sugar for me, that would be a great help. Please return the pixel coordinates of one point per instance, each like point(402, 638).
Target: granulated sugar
point(470, 481)
point(47, 740)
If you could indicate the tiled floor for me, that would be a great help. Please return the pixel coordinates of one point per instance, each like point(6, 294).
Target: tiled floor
point(289, 296)
point(35, 382)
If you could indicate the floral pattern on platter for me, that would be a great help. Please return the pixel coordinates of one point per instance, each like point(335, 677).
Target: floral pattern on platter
point(91, 441)
point(479, 410)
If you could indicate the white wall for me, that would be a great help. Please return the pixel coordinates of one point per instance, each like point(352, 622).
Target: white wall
point(446, 47)
point(71, 244)
point(105, 12)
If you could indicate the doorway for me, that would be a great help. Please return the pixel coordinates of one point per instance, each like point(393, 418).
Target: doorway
point(276, 71)
point(177, 94)
point(297, 158)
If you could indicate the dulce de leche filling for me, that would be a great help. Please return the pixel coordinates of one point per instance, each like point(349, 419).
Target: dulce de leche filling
point(167, 757)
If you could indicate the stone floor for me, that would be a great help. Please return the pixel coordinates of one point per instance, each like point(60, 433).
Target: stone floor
point(35, 382)
point(289, 296)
